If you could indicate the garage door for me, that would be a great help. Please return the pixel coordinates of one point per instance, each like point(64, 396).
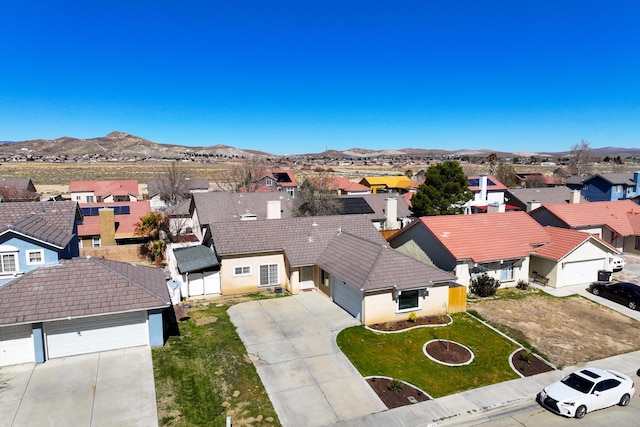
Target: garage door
point(347, 298)
point(99, 333)
point(575, 273)
point(16, 345)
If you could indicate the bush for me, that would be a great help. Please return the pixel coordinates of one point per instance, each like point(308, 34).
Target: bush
point(412, 317)
point(522, 284)
point(395, 385)
point(484, 286)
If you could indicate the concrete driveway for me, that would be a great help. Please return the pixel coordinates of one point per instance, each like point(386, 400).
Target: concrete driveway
point(292, 342)
point(99, 389)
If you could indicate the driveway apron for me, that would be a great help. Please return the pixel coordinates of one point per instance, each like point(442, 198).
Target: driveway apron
point(292, 342)
point(99, 389)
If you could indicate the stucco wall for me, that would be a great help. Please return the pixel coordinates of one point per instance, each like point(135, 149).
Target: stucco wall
point(231, 284)
point(380, 307)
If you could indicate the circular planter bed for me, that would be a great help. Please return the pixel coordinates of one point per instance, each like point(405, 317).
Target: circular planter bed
point(448, 353)
point(527, 364)
point(394, 396)
point(401, 325)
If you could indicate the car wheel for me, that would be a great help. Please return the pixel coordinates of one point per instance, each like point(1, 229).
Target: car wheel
point(595, 291)
point(632, 305)
point(624, 400)
point(581, 412)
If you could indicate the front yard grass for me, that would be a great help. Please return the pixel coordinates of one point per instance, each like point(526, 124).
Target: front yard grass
point(400, 355)
point(205, 374)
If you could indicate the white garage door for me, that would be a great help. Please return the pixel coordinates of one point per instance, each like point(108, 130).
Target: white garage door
point(347, 298)
point(575, 273)
point(99, 333)
point(16, 345)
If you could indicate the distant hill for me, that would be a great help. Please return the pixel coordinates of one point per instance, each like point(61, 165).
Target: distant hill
point(123, 146)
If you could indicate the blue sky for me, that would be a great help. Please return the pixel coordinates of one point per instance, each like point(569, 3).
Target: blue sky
point(302, 76)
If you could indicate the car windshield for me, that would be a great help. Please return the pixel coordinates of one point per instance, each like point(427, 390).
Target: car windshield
point(577, 382)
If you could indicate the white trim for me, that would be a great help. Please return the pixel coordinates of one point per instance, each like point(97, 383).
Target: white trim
point(236, 274)
point(28, 253)
point(408, 310)
point(271, 282)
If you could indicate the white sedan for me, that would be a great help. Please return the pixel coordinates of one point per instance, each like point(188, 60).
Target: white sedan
point(587, 390)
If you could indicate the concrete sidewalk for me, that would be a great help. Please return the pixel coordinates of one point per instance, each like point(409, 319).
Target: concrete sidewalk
point(110, 388)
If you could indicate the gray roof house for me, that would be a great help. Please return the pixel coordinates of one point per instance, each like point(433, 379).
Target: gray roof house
point(33, 234)
point(81, 305)
point(343, 257)
point(528, 199)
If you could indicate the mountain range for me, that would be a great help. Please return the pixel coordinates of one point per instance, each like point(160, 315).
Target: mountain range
point(121, 145)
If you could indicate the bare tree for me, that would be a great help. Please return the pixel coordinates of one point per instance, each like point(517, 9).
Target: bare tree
point(316, 198)
point(242, 174)
point(172, 185)
point(493, 161)
point(506, 174)
point(581, 158)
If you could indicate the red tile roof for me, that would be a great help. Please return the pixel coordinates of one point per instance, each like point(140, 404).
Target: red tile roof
point(486, 237)
point(126, 224)
point(345, 184)
point(564, 241)
point(622, 216)
point(105, 188)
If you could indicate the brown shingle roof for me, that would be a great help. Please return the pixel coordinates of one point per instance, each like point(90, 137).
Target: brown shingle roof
point(545, 195)
point(370, 266)
point(302, 239)
point(81, 287)
point(51, 222)
point(486, 237)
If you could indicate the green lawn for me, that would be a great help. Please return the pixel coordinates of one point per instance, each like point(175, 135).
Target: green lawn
point(400, 356)
point(204, 374)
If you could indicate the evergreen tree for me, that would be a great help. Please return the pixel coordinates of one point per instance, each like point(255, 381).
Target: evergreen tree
point(444, 192)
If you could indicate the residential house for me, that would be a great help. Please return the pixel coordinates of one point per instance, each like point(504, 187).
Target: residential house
point(33, 234)
point(81, 305)
point(104, 191)
point(344, 186)
point(159, 188)
point(18, 190)
point(608, 186)
point(277, 180)
point(617, 223)
point(498, 244)
point(344, 257)
point(488, 195)
point(537, 180)
point(111, 224)
point(389, 184)
point(387, 211)
point(528, 199)
point(571, 258)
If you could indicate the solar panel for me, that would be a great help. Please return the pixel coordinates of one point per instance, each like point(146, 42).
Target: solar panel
point(355, 205)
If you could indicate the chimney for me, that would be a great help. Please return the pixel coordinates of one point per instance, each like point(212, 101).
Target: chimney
point(574, 196)
point(496, 207)
point(533, 205)
point(391, 214)
point(107, 227)
point(273, 209)
point(483, 188)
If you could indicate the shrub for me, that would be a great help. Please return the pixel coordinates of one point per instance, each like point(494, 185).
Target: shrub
point(484, 286)
point(526, 356)
point(412, 317)
point(395, 385)
point(522, 284)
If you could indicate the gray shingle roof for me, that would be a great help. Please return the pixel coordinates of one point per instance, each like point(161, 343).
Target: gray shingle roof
point(220, 206)
point(616, 178)
point(302, 239)
point(546, 195)
point(51, 222)
point(195, 258)
point(370, 266)
point(81, 287)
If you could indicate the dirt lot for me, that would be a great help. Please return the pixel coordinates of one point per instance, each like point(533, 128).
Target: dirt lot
point(569, 331)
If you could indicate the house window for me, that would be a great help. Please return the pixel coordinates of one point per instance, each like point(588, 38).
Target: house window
point(291, 191)
point(95, 242)
point(90, 199)
point(269, 182)
point(269, 275)
point(78, 198)
point(242, 270)
point(507, 272)
point(408, 300)
point(618, 188)
point(9, 263)
point(35, 257)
